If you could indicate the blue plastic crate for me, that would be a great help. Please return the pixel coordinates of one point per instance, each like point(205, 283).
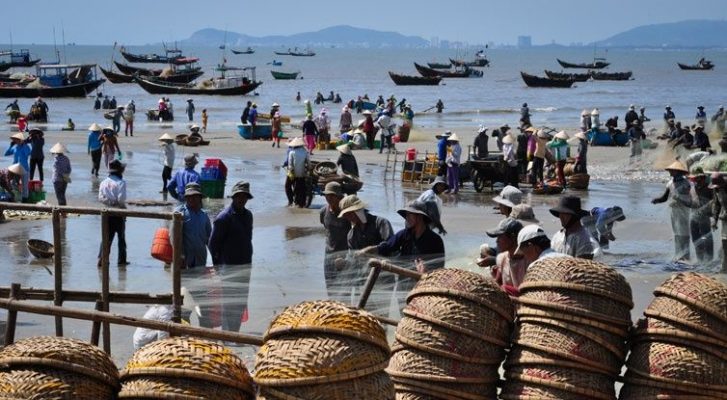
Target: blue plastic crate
point(212, 174)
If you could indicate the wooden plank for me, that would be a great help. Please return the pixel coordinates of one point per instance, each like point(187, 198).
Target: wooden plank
point(88, 296)
point(177, 266)
point(57, 268)
point(105, 252)
point(88, 211)
point(12, 317)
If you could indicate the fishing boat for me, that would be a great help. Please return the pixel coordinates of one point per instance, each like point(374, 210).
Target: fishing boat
point(170, 57)
point(172, 75)
point(275, 63)
point(249, 50)
point(598, 63)
point(537, 81)
point(284, 75)
point(56, 80)
point(702, 65)
point(565, 75)
point(17, 59)
point(611, 76)
point(261, 131)
point(114, 77)
point(304, 53)
point(225, 85)
point(408, 80)
point(463, 72)
point(282, 53)
point(477, 62)
point(439, 65)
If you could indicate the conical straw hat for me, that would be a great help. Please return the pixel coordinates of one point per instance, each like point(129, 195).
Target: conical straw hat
point(166, 136)
point(677, 166)
point(58, 148)
point(94, 127)
point(561, 135)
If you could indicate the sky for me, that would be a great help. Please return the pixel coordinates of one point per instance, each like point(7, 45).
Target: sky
point(135, 22)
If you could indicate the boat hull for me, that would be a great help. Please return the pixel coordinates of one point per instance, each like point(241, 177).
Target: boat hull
point(686, 67)
point(183, 77)
point(76, 90)
point(164, 88)
point(611, 76)
point(564, 75)
point(406, 80)
point(430, 72)
point(261, 131)
point(7, 65)
point(540, 82)
point(116, 78)
point(478, 62)
point(595, 65)
point(284, 75)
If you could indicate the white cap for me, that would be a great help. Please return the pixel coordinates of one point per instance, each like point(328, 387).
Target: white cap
point(529, 232)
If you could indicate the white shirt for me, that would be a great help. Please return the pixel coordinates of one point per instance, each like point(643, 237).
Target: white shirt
point(168, 152)
point(112, 192)
point(576, 244)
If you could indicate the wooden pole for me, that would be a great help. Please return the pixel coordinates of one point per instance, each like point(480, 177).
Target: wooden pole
point(369, 286)
point(387, 266)
point(119, 212)
point(96, 326)
point(177, 265)
point(105, 253)
point(87, 296)
point(12, 317)
point(57, 268)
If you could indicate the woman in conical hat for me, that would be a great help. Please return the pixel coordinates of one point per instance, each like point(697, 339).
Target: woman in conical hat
point(678, 194)
point(61, 172)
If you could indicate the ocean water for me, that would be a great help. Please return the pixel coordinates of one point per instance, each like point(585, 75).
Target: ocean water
point(491, 100)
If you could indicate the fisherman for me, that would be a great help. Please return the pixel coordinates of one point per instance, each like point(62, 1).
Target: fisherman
point(509, 197)
point(112, 103)
point(585, 120)
point(61, 172)
point(129, 112)
point(347, 161)
point(599, 224)
point(369, 129)
point(310, 133)
point(20, 151)
point(70, 126)
point(183, 177)
point(386, 126)
point(701, 116)
point(231, 248)
point(112, 193)
point(699, 220)
point(636, 135)
point(277, 129)
point(719, 211)
point(345, 122)
point(253, 116)
point(479, 147)
point(380, 102)
point(196, 227)
point(323, 124)
point(718, 119)
point(572, 239)
point(401, 105)
point(508, 271)
point(336, 228)
point(499, 134)
point(679, 195)
point(246, 112)
point(533, 244)
point(205, 120)
point(538, 156)
point(167, 147)
point(454, 158)
point(631, 116)
point(36, 140)
point(109, 146)
point(581, 166)
point(430, 198)
point(275, 107)
point(338, 99)
point(642, 116)
point(106, 103)
point(118, 114)
point(97, 104)
point(298, 170)
point(408, 115)
point(13, 111)
point(521, 150)
point(612, 126)
point(668, 115)
point(508, 156)
point(525, 115)
point(94, 147)
point(701, 140)
point(162, 110)
point(595, 119)
point(442, 153)
point(11, 181)
point(439, 106)
point(190, 109)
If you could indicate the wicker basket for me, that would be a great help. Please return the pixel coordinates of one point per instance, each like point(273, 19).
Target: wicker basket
point(414, 364)
point(584, 384)
point(51, 384)
point(375, 386)
point(658, 322)
point(469, 391)
point(564, 314)
point(193, 141)
point(638, 392)
point(516, 390)
point(579, 181)
point(325, 168)
point(700, 291)
point(40, 248)
point(579, 303)
point(195, 362)
point(181, 140)
point(161, 387)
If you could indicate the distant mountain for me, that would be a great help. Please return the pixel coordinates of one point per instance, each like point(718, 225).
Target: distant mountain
point(338, 36)
point(684, 34)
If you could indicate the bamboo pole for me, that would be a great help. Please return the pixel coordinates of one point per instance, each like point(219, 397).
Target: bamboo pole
point(87, 296)
point(105, 253)
point(12, 317)
point(96, 326)
point(388, 266)
point(109, 318)
point(369, 286)
point(57, 268)
point(177, 260)
point(116, 212)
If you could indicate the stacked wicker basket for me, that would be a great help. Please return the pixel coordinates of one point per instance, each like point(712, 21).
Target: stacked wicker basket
point(185, 368)
point(679, 350)
point(323, 350)
point(570, 340)
point(56, 368)
point(452, 338)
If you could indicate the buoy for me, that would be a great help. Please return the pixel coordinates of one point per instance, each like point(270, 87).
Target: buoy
point(161, 246)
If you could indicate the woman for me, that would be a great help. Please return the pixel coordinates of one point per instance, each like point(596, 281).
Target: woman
point(61, 172)
point(347, 161)
point(310, 132)
point(11, 181)
point(679, 195)
point(581, 154)
point(453, 160)
point(559, 147)
point(508, 271)
point(346, 121)
point(277, 129)
point(368, 128)
point(508, 154)
point(20, 151)
point(109, 146)
point(36, 141)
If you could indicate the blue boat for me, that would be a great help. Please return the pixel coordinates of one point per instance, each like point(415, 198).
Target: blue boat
point(262, 131)
point(603, 138)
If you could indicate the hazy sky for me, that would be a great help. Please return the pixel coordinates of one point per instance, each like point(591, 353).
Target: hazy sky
point(474, 21)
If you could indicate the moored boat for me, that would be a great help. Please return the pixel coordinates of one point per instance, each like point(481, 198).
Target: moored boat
point(702, 65)
point(304, 53)
point(172, 56)
point(537, 81)
point(436, 65)
point(477, 62)
point(611, 76)
point(17, 59)
point(114, 77)
point(408, 80)
point(464, 72)
point(565, 75)
point(598, 63)
point(56, 80)
point(223, 85)
point(172, 75)
point(261, 131)
point(284, 75)
point(249, 50)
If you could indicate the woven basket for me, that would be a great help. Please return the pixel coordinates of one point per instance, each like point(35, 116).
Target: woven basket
point(40, 248)
point(161, 387)
point(578, 303)
point(674, 331)
point(638, 392)
point(302, 359)
point(579, 181)
point(468, 391)
point(585, 384)
point(181, 139)
point(193, 141)
point(697, 290)
point(516, 390)
point(51, 384)
point(328, 317)
point(571, 316)
point(414, 364)
point(440, 341)
point(672, 310)
point(194, 359)
point(375, 386)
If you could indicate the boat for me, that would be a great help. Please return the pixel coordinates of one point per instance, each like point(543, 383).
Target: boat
point(702, 65)
point(464, 72)
point(565, 75)
point(56, 80)
point(284, 75)
point(114, 77)
point(604, 138)
point(477, 62)
point(236, 85)
point(282, 53)
point(408, 80)
point(172, 75)
point(170, 57)
point(17, 59)
point(611, 76)
point(304, 53)
point(261, 131)
point(598, 63)
point(537, 81)
point(249, 50)
point(439, 65)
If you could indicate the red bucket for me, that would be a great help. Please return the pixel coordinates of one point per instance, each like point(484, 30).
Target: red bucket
point(411, 154)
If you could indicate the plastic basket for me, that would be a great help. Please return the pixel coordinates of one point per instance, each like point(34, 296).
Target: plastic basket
point(217, 163)
point(35, 186)
point(34, 197)
point(213, 189)
point(212, 174)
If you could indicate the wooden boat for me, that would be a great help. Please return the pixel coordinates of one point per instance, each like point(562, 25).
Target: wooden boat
point(598, 63)
point(603, 138)
point(702, 65)
point(537, 81)
point(611, 76)
point(249, 50)
point(465, 72)
point(113, 77)
point(183, 75)
point(235, 85)
point(17, 59)
point(408, 80)
point(304, 53)
point(564, 75)
point(477, 62)
point(56, 80)
point(439, 65)
point(173, 56)
point(282, 53)
point(284, 75)
point(261, 131)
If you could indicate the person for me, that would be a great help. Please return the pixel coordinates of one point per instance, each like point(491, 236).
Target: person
point(94, 147)
point(559, 147)
point(20, 151)
point(572, 239)
point(499, 134)
point(631, 116)
point(183, 177)
point(439, 106)
point(380, 102)
point(533, 244)
point(668, 115)
point(112, 193)
point(116, 119)
point(106, 103)
point(97, 104)
point(347, 161)
point(585, 120)
point(170, 107)
point(539, 154)
point(408, 116)
point(336, 228)
point(112, 103)
point(636, 135)
point(679, 195)
point(11, 181)
point(196, 227)
point(310, 133)
point(231, 248)
point(323, 123)
point(110, 146)
point(612, 125)
point(277, 130)
point(718, 119)
point(524, 213)
point(719, 211)
point(298, 170)
point(442, 153)
point(521, 149)
point(345, 122)
point(36, 140)
point(129, 112)
point(699, 220)
point(511, 165)
point(595, 119)
point(386, 125)
point(581, 166)
point(144, 336)
point(61, 172)
point(525, 115)
point(454, 158)
point(70, 126)
point(701, 116)
point(642, 116)
point(13, 111)
point(205, 119)
point(430, 198)
point(167, 147)
point(479, 146)
point(701, 139)
point(508, 271)
point(599, 224)
point(253, 116)
point(275, 107)
point(190, 109)
point(297, 96)
point(368, 128)
point(509, 197)
point(246, 112)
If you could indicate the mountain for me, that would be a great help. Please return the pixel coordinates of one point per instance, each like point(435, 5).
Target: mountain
point(338, 36)
point(684, 34)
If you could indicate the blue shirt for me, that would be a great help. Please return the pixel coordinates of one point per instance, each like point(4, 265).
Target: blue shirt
point(442, 149)
point(196, 231)
point(179, 182)
point(94, 141)
point(20, 153)
point(231, 239)
point(429, 247)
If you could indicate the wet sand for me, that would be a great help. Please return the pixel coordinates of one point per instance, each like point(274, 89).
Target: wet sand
point(288, 242)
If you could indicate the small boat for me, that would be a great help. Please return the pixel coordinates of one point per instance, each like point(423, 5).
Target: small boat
point(611, 76)
point(598, 63)
point(275, 63)
point(56, 80)
point(477, 62)
point(702, 65)
point(604, 138)
point(304, 53)
point(408, 80)
point(17, 59)
point(249, 50)
point(537, 81)
point(261, 131)
point(236, 85)
point(284, 75)
point(282, 53)
point(565, 75)
point(181, 75)
point(464, 72)
point(171, 56)
point(439, 65)
point(114, 77)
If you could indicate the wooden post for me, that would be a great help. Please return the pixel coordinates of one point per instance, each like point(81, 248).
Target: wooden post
point(12, 316)
point(96, 326)
point(369, 286)
point(177, 267)
point(105, 253)
point(58, 268)
point(387, 266)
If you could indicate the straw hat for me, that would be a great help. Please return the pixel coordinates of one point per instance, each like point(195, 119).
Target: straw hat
point(276, 105)
point(581, 135)
point(165, 136)
point(296, 142)
point(561, 135)
point(333, 188)
point(58, 148)
point(17, 169)
point(94, 127)
point(349, 204)
point(366, 112)
point(508, 139)
point(524, 213)
point(194, 127)
point(344, 148)
point(584, 112)
point(541, 134)
point(531, 129)
point(19, 136)
point(569, 205)
point(453, 138)
point(677, 166)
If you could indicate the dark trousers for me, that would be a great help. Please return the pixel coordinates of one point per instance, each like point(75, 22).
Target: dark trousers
point(442, 171)
point(117, 226)
point(512, 175)
point(60, 189)
point(386, 140)
point(235, 290)
point(560, 172)
point(299, 188)
point(36, 162)
point(166, 176)
point(129, 128)
point(116, 126)
point(370, 139)
point(96, 161)
point(702, 238)
point(289, 190)
point(537, 171)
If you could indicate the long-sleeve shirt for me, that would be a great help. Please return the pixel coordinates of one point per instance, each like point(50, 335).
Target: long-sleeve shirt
point(180, 180)
point(112, 192)
point(560, 149)
point(61, 168)
point(540, 147)
point(455, 156)
point(20, 153)
point(94, 141)
point(480, 145)
point(346, 121)
point(508, 154)
point(719, 204)
point(231, 239)
point(36, 146)
point(310, 128)
point(442, 149)
point(336, 230)
point(429, 247)
point(298, 162)
point(168, 152)
point(372, 232)
point(582, 150)
point(575, 244)
point(196, 231)
point(348, 164)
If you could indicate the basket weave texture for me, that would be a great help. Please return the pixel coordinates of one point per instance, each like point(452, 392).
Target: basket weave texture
point(48, 383)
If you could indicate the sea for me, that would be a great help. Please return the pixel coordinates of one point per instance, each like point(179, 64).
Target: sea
point(491, 100)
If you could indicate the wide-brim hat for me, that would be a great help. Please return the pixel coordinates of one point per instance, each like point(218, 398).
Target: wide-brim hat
point(194, 127)
point(161, 100)
point(94, 127)
point(542, 134)
point(524, 213)
point(19, 136)
point(189, 99)
point(17, 169)
point(717, 180)
point(439, 180)
point(508, 139)
point(117, 166)
point(241, 187)
point(58, 148)
point(193, 189)
point(509, 196)
point(333, 188)
point(580, 135)
point(562, 135)
point(446, 134)
point(415, 207)
point(485, 251)
point(35, 130)
point(275, 105)
point(344, 148)
point(166, 136)
point(453, 138)
point(569, 205)
point(349, 204)
point(366, 112)
point(296, 142)
point(677, 166)
point(531, 129)
point(584, 112)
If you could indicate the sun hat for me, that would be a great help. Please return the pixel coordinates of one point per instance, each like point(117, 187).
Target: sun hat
point(584, 112)
point(17, 169)
point(510, 196)
point(344, 148)
point(345, 108)
point(439, 180)
point(508, 139)
point(527, 234)
point(194, 127)
point(531, 129)
point(333, 188)
point(716, 180)
point(193, 189)
point(524, 213)
point(700, 107)
point(668, 107)
point(190, 160)
point(581, 135)
point(241, 187)
point(482, 129)
point(561, 135)
point(296, 142)
point(349, 204)
point(415, 207)
point(542, 134)
point(117, 166)
point(94, 127)
point(34, 130)
point(58, 148)
point(509, 226)
point(453, 138)
point(19, 136)
point(189, 99)
point(276, 105)
point(485, 251)
point(166, 136)
point(677, 166)
point(632, 107)
point(366, 112)
point(254, 105)
point(446, 134)
point(569, 205)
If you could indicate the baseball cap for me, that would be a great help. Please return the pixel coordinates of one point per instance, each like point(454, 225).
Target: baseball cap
point(509, 226)
point(528, 233)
